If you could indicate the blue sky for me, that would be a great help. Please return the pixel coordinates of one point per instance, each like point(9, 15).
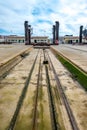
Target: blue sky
point(41, 15)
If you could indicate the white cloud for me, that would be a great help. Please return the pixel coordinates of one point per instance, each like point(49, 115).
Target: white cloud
point(42, 15)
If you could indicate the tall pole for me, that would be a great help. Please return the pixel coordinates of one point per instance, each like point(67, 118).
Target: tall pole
point(57, 32)
point(26, 32)
point(53, 34)
point(80, 34)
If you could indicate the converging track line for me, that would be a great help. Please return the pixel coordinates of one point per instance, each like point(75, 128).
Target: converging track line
point(36, 98)
point(64, 98)
point(42, 100)
point(52, 105)
point(21, 98)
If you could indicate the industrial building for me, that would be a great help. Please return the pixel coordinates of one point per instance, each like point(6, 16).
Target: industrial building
point(39, 39)
point(21, 39)
point(14, 39)
point(1, 38)
point(73, 39)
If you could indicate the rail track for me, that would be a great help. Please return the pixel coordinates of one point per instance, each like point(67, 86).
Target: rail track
point(37, 122)
point(34, 124)
point(51, 100)
point(36, 97)
point(53, 118)
point(21, 98)
point(64, 98)
point(78, 73)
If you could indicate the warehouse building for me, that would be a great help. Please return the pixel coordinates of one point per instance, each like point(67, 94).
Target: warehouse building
point(39, 39)
point(1, 38)
point(71, 39)
point(14, 39)
point(21, 39)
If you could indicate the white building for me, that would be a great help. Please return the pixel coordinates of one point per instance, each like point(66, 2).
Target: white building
point(21, 39)
point(15, 39)
point(73, 39)
point(39, 39)
point(1, 38)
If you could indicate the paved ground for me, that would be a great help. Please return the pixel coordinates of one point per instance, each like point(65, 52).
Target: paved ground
point(76, 53)
point(77, 47)
point(9, 51)
point(12, 85)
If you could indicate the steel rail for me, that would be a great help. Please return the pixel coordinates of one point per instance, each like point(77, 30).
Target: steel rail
point(36, 98)
point(55, 125)
point(21, 98)
point(71, 62)
point(64, 98)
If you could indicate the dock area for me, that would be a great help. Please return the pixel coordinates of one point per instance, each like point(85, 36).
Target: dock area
point(75, 53)
point(37, 92)
point(7, 52)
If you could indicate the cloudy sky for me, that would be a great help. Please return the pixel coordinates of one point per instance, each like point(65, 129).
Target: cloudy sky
point(41, 15)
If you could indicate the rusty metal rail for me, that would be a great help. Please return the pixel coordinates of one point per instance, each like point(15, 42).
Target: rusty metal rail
point(55, 125)
point(36, 98)
point(64, 98)
point(21, 98)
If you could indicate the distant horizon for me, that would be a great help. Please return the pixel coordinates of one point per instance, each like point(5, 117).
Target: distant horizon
point(37, 35)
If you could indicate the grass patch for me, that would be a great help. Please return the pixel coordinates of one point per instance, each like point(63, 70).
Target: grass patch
point(76, 73)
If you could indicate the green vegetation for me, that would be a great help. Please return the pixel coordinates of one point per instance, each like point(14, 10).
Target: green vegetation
point(77, 74)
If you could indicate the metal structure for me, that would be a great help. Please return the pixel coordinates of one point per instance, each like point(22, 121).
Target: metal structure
point(80, 34)
point(27, 33)
point(56, 33)
point(84, 32)
point(53, 34)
